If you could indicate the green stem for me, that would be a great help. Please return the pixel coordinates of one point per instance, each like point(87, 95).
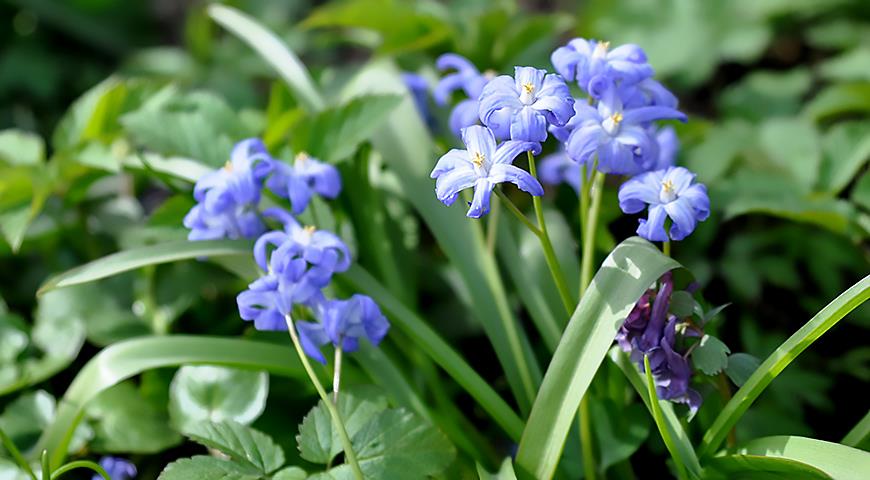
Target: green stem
point(16, 454)
point(589, 464)
point(349, 454)
point(666, 248)
point(46, 468)
point(584, 208)
point(492, 228)
point(336, 376)
point(547, 245)
point(81, 464)
point(517, 213)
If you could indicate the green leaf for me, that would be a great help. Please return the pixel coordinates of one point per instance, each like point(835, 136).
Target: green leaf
point(290, 473)
point(668, 419)
point(271, 49)
point(505, 472)
point(244, 445)
point(682, 304)
point(319, 441)
point(757, 467)
point(781, 358)
point(858, 435)
point(10, 471)
point(720, 148)
point(19, 147)
point(662, 424)
point(740, 367)
point(765, 94)
point(619, 429)
point(152, 255)
point(848, 66)
point(847, 149)
point(125, 359)
point(711, 355)
point(794, 145)
point(216, 394)
point(90, 114)
point(27, 416)
point(839, 99)
point(625, 274)
point(334, 134)
point(838, 461)
point(206, 468)
point(861, 192)
point(125, 422)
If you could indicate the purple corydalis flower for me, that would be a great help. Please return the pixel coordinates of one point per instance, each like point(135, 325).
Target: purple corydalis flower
point(300, 182)
point(530, 101)
point(557, 168)
point(343, 323)
point(481, 166)
point(227, 198)
point(596, 67)
point(620, 137)
point(117, 468)
point(668, 193)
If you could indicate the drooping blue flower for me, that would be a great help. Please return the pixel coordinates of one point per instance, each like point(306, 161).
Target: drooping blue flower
point(227, 198)
point(343, 323)
point(468, 78)
point(531, 101)
point(481, 166)
point(620, 137)
point(596, 68)
point(117, 468)
point(419, 88)
point(300, 182)
point(668, 193)
point(557, 168)
point(668, 145)
point(319, 248)
point(647, 93)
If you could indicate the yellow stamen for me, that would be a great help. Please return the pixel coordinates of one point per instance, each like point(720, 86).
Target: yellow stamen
point(668, 186)
point(616, 118)
point(489, 74)
point(309, 229)
point(601, 48)
point(478, 159)
point(228, 166)
point(528, 88)
point(302, 157)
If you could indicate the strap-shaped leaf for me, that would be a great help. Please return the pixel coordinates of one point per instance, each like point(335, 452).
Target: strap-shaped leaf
point(626, 273)
point(760, 467)
point(838, 461)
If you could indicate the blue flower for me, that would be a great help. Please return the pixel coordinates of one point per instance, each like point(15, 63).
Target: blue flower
point(618, 136)
point(647, 93)
point(306, 177)
point(596, 68)
point(669, 145)
point(227, 198)
point(529, 101)
point(319, 248)
point(481, 166)
point(467, 78)
point(419, 88)
point(343, 323)
point(557, 168)
point(668, 193)
point(117, 468)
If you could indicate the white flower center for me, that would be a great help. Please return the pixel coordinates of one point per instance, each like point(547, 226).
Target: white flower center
point(667, 194)
point(611, 123)
point(600, 50)
point(527, 96)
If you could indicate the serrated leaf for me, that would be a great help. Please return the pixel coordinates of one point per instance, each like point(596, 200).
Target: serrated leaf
point(711, 355)
point(740, 367)
point(216, 394)
point(124, 421)
point(847, 149)
point(206, 468)
point(682, 304)
point(242, 444)
point(319, 442)
point(335, 134)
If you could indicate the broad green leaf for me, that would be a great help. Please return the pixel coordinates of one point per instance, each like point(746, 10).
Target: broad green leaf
point(505, 472)
point(319, 441)
point(271, 49)
point(244, 445)
point(682, 304)
point(206, 468)
point(19, 147)
point(216, 394)
point(13, 337)
point(794, 145)
point(711, 355)
point(152, 255)
point(625, 274)
point(848, 66)
point(847, 149)
point(861, 192)
point(765, 94)
point(839, 99)
point(125, 422)
point(758, 467)
point(27, 416)
point(334, 134)
point(125, 359)
point(721, 146)
point(409, 152)
point(740, 367)
point(619, 429)
point(90, 114)
point(781, 358)
point(10, 471)
point(667, 420)
point(838, 461)
point(290, 473)
point(858, 435)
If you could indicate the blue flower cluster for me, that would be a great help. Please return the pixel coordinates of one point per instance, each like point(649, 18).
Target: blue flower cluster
point(117, 468)
point(298, 262)
point(228, 198)
point(650, 331)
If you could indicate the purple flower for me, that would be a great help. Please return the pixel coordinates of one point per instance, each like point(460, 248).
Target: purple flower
point(306, 177)
point(227, 198)
point(343, 323)
point(117, 468)
point(620, 137)
point(419, 88)
point(557, 168)
point(596, 68)
point(668, 193)
point(319, 248)
point(466, 77)
point(529, 101)
point(481, 166)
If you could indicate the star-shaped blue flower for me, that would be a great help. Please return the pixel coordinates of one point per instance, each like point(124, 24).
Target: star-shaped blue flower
point(300, 182)
point(117, 468)
point(596, 67)
point(481, 166)
point(530, 101)
point(343, 323)
point(669, 193)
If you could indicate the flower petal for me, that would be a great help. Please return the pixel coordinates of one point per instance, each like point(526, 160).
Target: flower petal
point(464, 114)
point(529, 75)
point(635, 195)
point(448, 185)
point(449, 161)
point(683, 215)
point(446, 86)
point(499, 93)
point(479, 139)
point(508, 151)
point(522, 179)
point(648, 114)
point(480, 203)
point(529, 125)
point(653, 228)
